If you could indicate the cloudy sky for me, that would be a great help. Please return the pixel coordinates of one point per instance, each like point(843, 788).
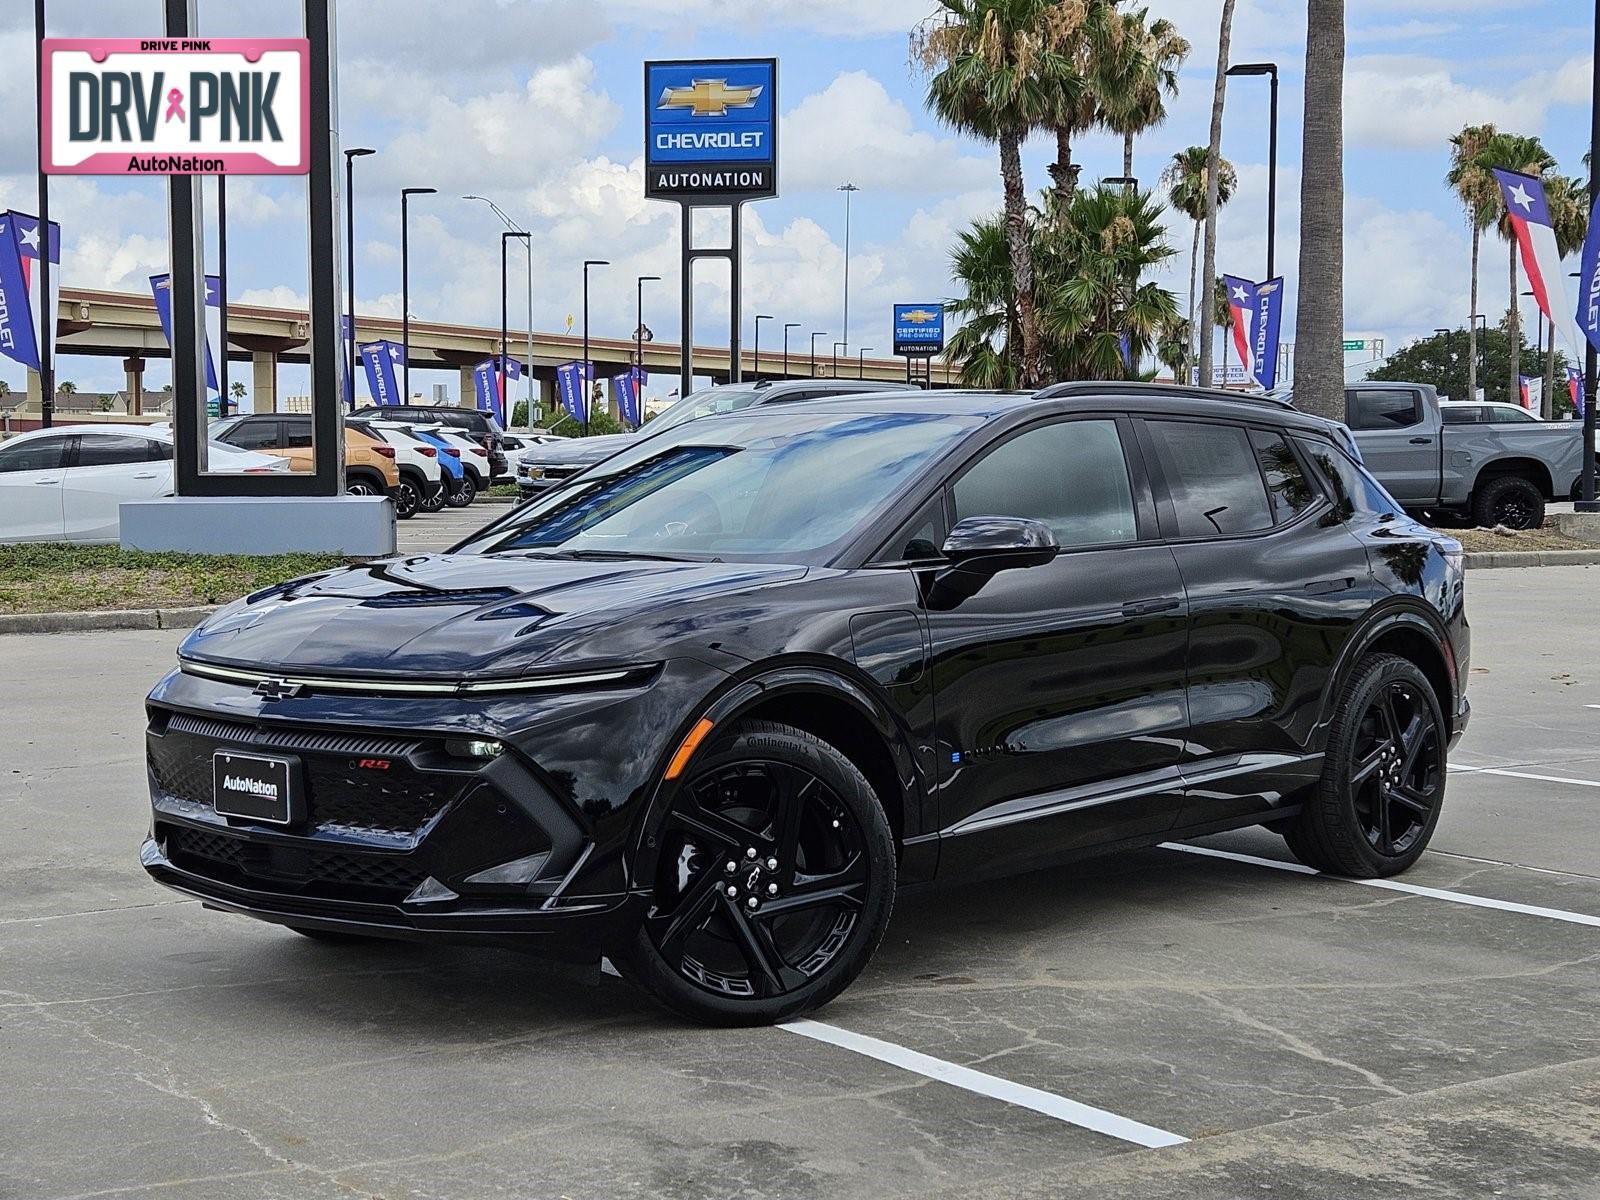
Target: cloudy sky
point(537, 104)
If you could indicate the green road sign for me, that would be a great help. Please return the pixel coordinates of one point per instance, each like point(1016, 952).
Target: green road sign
point(1355, 343)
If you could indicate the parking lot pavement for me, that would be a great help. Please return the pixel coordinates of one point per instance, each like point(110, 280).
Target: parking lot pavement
point(1289, 1034)
point(429, 533)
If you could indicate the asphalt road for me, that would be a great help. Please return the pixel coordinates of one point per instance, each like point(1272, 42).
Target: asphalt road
point(1287, 1034)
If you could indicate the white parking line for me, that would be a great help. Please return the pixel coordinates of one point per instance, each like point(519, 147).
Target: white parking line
point(1391, 885)
point(1594, 783)
point(983, 1084)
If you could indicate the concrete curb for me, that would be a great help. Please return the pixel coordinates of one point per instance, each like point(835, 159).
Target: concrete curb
point(89, 622)
point(1533, 558)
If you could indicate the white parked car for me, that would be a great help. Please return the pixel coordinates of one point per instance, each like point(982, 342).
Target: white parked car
point(66, 484)
point(421, 478)
point(475, 459)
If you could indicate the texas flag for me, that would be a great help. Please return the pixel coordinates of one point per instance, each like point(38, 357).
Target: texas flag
point(1531, 392)
point(161, 290)
point(23, 311)
point(1242, 311)
point(1529, 215)
point(1256, 310)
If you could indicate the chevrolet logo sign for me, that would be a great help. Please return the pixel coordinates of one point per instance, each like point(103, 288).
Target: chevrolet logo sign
point(918, 316)
point(709, 97)
point(278, 689)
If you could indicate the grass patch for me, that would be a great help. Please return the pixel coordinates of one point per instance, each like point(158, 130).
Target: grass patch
point(509, 490)
point(52, 577)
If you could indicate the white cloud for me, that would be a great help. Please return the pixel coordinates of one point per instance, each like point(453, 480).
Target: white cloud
point(832, 18)
point(853, 130)
point(278, 296)
point(1416, 102)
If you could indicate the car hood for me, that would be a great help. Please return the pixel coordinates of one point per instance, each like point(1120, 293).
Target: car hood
point(471, 614)
point(577, 450)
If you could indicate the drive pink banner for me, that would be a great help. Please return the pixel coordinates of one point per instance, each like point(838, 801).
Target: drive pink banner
point(171, 106)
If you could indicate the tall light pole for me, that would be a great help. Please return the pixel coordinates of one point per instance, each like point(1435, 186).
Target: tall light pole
point(787, 326)
point(836, 346)
point(638, 340)
point(47, 319)
point(849, 189)
point(1270, 70)
point(814, 337)
point(861, 361)
point(1587, 501)
point(405, 287)
point(1483, 351)
point(352, 357)
point(505, 334)
point(513, 227)
point(760, 317)
point(588, 367)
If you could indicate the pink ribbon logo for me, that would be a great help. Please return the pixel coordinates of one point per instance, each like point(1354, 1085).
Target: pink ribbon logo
point(175, 106)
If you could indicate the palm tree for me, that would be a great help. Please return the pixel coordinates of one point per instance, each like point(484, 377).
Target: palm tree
point(66, 387)
point(1172, 348)
point(1319, 315)
point(1133, 84)
point(985, 344)
point(1568, 199)
point(1475, 187)
point(1526, 155)
point(1185, 181)
point(1214, 165)
point(1222, 318)
point(236, 390)
point(997, 74)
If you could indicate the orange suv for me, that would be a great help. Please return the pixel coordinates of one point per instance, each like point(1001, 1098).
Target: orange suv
point(369, 466)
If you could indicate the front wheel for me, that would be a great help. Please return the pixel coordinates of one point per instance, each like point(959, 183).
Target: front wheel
point(1383, 775)
point(1511, 501)
point(773, 876)
point(407, 500)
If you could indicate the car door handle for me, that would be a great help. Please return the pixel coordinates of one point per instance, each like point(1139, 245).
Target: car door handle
point(1321, 587)
point(145, 475)
point(1143, 608)
point(1421, 441)
point(45, 482)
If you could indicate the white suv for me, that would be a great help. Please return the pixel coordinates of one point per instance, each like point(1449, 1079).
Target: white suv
point(421, 486)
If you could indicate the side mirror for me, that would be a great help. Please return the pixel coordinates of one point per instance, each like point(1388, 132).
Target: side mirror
point(1000, 543)
point(978, 548)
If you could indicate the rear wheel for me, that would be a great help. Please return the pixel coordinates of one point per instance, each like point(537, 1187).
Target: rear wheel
point(773, 878)
point(1383, 775)
point(435, 502)
point(360, 485)
point(1511, 501)
point(466, 492)
point(407, 499)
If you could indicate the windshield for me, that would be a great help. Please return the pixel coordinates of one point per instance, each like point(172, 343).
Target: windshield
point(704, 403)
point(781, 489)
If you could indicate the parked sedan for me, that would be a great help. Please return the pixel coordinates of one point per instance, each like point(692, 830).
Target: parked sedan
point(68, 483)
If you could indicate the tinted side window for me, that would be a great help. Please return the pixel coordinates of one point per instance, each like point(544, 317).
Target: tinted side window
point(253, 435)
point(1383, 408)
point(1070, 475)
point(41, 454)
point(1450, 415)
point(1212, 474)
point(1287, 485)
point(1353, 488)
point(297, 435)
point(111, 449)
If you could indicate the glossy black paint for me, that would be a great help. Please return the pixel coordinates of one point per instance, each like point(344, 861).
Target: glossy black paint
point(1048, 703)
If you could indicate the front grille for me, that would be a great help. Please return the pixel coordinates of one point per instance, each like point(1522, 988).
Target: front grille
point(292, 868)
point(343, 798)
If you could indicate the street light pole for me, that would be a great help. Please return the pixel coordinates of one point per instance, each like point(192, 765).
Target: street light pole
point(1483, 351)
point(638, 338)
point(505, 333)
point(1270, 70)
point(47, 318)
point(814, 337)
point(760, 317)
point(787, 326)
point(405, 287)
point(587, 370)
point(528, 246)
point(1587, 501)
point(350, 157)
point(861, 362)
point(836, 346)
point(849, 189)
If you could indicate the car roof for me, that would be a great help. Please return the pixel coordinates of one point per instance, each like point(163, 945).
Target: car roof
point(144, 431)
point(1068, 397)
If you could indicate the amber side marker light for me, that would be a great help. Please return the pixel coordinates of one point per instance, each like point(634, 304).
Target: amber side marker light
point(680, 760)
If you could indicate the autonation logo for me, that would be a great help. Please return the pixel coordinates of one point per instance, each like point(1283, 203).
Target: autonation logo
point(251, 787)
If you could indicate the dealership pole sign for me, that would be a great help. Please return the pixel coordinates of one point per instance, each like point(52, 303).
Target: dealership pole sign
point(918, 329)
point(711, 130)
point(177, 106)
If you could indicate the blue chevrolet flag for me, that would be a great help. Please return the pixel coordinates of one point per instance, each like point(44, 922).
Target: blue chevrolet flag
point(494, 390)
point(570, 391)
point(161, 289)
point(23, 310)
point(1589, 281)
point(629, 390)
point(382, 360)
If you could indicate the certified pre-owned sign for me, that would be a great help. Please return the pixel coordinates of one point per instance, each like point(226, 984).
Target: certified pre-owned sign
point(711, 129)
point(168, 106)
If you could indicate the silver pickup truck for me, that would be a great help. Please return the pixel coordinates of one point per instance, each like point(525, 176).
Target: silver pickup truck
point(1494, 473)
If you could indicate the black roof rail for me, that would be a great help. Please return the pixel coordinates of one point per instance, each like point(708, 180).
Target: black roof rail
point(1128, 388)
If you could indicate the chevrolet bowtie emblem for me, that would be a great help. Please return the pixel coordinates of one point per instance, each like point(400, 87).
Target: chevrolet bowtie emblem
point(919, 316)
point(278, 689)
point(709, 97)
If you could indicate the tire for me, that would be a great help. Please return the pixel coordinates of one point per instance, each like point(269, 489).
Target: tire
point(1384, 770)
point(360, 485)
point(789, 940)
point(407, 499)
point(466, 492)
point(435, 502)
point(1511, 501)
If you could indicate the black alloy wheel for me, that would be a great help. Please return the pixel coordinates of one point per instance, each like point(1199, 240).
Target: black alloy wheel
point(466, 491)
point(1511, 501)
point(1383, 777)
point(407, 500)
point(772, 881)
point(435, 502)
point(361, 487)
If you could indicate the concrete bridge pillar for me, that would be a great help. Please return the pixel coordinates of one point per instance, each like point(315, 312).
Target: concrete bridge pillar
point(264, 380)
point(133, 370)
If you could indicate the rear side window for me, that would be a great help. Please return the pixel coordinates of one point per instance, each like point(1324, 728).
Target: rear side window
point(1071, 475)
point(112, 449)
point(1354, 490)
point(1287, 486)
point(1212, 475)
point(1383, 408)
point(297, 435)
point(1470, 415)
point(253, 435)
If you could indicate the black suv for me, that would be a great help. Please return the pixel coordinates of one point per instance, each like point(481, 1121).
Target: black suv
point(480, 425)
point(705, 711)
